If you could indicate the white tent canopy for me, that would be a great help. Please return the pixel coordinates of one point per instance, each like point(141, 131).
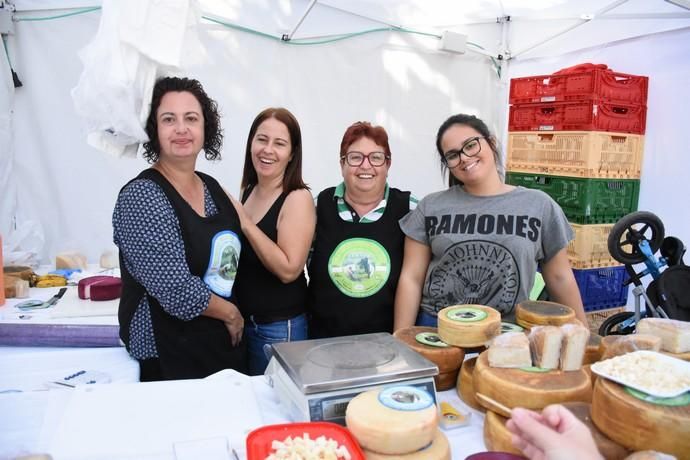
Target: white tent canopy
point(57, 193)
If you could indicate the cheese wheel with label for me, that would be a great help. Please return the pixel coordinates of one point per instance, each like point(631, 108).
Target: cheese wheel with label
point(497, 437)
point(641, 425)
point(532, 313)
point(611, 450)
point(468, 325)
point(426, 342)
point(465, 386)
point(534, 388)
point(394, 420)
point(439, 449)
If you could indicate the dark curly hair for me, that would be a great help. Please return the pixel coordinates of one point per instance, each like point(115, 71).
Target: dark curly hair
point(213, 134)
point(479, 126)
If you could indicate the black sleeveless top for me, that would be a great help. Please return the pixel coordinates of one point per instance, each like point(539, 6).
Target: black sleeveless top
point(354, 269)
point(260, 293)
point(201, 346)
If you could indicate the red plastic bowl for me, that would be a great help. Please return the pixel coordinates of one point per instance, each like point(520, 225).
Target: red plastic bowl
point(259, 441)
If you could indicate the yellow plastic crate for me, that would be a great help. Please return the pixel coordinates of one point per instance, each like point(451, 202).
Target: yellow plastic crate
point(590, 248)
point(597, 318)
point(591, 154)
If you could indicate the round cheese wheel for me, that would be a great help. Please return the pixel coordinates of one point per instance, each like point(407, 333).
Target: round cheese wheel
point(530, 313)
point(465, 386)
point(468, 325)
point(592, 354)
point(611, 450)
point(426, 342)
point(439, 449)
point(99, 288)
point(446, 380)
point(533, 389)
point(640, 425)
point(394, 420)
point(497, 437)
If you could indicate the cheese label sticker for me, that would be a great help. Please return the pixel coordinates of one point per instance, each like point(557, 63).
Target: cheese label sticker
point(431, 338)
point(223, 261)
point(466, 314)
point(407, 398)
point(510, 327)
point(359, 267)
point(681, 400)
point(534, 369)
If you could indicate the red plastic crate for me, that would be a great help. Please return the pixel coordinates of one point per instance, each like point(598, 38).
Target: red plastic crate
point(595, 115)
point(602, 84)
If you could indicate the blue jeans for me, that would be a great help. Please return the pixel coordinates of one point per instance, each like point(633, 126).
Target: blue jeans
point(425, 319)
point(260, 336)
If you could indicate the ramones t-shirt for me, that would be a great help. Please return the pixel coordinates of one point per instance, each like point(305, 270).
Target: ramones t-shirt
point(485, 249)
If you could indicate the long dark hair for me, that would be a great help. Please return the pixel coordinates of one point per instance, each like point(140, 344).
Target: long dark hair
point(213, 134)
point(292, 180)
point(479, 126)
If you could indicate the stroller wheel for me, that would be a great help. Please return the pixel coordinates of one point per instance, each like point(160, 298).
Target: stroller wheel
point(618, 324)
point(632, 229)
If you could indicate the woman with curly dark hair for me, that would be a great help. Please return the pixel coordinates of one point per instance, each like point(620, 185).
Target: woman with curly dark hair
point(180, 241)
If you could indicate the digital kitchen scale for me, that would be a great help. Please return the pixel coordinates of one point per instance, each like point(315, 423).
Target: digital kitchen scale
point(316, 379)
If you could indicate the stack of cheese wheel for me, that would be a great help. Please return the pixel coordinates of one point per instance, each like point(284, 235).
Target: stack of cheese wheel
point(497, 437)
point(426, 342)
point(639, 424)
point(532, 388)
point(532, 313)
point(397, 421)
point(465, 386)
point(468, 326)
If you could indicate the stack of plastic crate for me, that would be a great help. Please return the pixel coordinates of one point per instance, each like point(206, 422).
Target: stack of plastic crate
point(578, 135)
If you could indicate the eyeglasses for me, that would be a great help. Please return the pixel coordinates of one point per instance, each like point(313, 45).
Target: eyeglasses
point(470, 148)
point(357, 158)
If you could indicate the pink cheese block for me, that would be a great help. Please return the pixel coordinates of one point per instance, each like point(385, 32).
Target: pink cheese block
point(100, 288)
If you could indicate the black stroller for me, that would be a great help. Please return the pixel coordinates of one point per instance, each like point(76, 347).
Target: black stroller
point(635, 239)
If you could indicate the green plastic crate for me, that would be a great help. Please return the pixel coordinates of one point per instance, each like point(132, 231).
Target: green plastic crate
point(585, 201)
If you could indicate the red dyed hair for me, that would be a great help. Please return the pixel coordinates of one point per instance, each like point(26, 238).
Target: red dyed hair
point(361, 129)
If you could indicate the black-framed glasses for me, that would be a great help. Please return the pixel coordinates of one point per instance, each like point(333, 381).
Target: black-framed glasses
point(470, 148)
point(357, 158)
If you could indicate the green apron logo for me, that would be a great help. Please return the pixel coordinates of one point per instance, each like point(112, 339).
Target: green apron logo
point(359, 267)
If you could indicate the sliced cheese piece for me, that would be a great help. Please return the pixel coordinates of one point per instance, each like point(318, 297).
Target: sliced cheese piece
point(530, 389)
point(629, 343)
point(611, 450)
point(674, 334)
point(100, 288)
point(640, 425)
point(575, 338)
point(510, 350)
point(465, 386)
point(545, 346)
point(447, 380)
point(468, 325)
point(426, 342)
point(497, 437)
point(439, 449)
point(532, 313)
point(395, 420)
point(71, 260)
point(592, 353)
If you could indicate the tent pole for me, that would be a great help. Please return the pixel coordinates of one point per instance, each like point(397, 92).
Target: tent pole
point(602, 11)
point(288, 37)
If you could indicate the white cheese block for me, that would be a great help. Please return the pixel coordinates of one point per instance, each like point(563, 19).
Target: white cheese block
point(510, 350)
point(394, 420)
point(545, 346)
point(439, 449)
point(468, 326)
point(575, 339)
point(628, 343)
point(674, 334)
